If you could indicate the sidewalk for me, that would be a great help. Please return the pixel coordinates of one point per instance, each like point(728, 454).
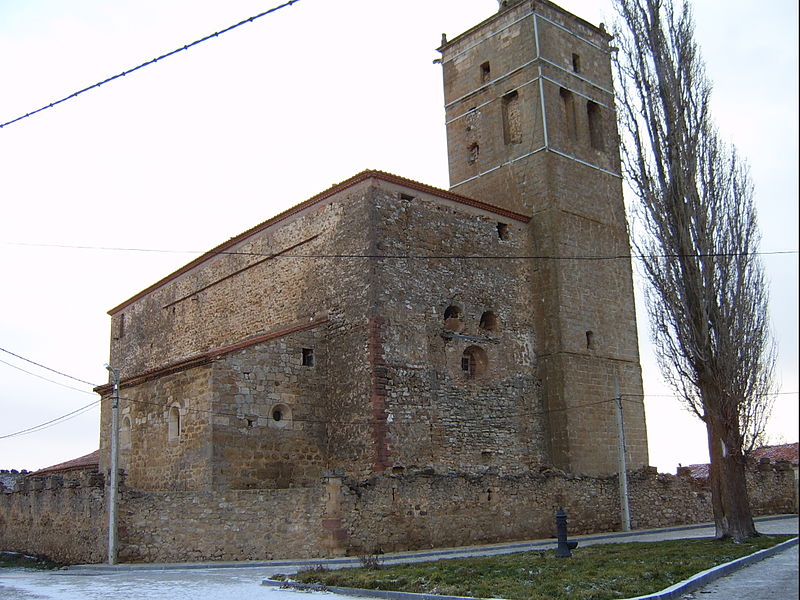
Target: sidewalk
point(774, 577)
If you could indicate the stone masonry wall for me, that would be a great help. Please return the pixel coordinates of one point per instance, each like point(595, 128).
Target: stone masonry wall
point(223, 525)
point(421, 509)
point(61, 517)
point(439, 414)
point(396, 510)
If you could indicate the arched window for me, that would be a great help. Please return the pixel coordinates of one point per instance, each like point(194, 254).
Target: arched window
point(173, 424)
point(489, 321)
point(473, 362)
point(453, 318)
point(452, 312)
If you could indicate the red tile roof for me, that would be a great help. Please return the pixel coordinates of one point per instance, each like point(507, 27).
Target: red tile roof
point(89, 461)
point(776, 453)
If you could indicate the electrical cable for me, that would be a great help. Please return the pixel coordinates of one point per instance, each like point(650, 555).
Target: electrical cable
point(44, 367)
point(150, 62)
point(413, 256)
point(70, 387)
point(53, 422)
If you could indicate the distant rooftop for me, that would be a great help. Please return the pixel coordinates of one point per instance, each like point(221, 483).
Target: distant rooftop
point(89, 461)
point(780, 452)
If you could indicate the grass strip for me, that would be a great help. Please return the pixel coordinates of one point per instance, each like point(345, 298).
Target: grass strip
point(600, 572)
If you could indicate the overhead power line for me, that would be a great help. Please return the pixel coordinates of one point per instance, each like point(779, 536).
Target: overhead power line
point(28, 360)
point(52, 422)
point(150, 62)
point(409, 256)
point(70, 387)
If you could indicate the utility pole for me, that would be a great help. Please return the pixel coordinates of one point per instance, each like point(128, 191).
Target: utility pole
point(625, 511)
point(114, 476)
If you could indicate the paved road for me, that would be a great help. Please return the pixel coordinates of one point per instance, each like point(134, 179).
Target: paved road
point(774, 577)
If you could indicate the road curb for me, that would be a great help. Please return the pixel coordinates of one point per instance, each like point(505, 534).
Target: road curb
point(714, 573)
point(670, 593)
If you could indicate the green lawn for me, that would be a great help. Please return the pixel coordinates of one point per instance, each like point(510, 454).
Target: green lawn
point(593, 572)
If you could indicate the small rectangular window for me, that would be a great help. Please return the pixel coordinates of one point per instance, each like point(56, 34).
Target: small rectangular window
point(486, 72)
point(406, 196)
point(308, 357)
point(502, 230)
point(576, 63)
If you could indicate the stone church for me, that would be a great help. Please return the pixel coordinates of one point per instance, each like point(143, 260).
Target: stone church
point(389, 340)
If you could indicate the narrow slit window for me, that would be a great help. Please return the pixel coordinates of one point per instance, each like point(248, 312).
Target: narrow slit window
point(308, 357)
point(486, 72)
point(120, 328)
point(568, 102)
point(174, 424)
point(576, 63)
point(595, 119)
point(474, 152)
point(512, 118)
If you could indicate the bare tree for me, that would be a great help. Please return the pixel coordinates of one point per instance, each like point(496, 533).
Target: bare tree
point(698, 238)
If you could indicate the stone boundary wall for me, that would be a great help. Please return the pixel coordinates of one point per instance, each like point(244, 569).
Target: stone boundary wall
point(425, 510)
point(60, 517)
point(65, 518)
point(226, 525)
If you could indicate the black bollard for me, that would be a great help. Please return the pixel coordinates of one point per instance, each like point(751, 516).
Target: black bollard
point(564, 547)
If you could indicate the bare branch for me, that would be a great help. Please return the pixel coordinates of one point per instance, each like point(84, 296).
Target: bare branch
point(696, 231)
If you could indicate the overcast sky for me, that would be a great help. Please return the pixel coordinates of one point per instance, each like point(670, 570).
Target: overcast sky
point(110, 191)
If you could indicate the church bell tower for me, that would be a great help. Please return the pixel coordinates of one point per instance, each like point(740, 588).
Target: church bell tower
point(531, 127)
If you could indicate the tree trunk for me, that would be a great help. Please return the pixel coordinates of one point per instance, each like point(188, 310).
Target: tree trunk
point(732, 515)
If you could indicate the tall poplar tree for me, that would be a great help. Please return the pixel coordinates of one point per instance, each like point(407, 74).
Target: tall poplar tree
point(698, 238)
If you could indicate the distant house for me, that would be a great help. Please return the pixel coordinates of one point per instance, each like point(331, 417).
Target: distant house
point(780, 455)
point(775, 454)
point(764, 455)
point(88, 462)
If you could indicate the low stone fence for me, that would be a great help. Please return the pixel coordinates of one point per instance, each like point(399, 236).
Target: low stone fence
point(426, 510)
point(225, 525)
point(65, 518)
